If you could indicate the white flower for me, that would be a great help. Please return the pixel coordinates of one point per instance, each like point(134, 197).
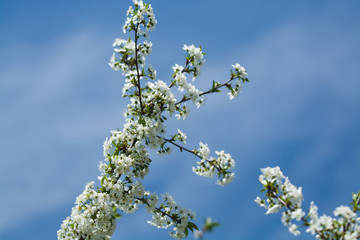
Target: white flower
point(286, 218)
point(294, 229)
point(313, 227)
point(232, 95)
point(181, 136)
point(345, 212)
point(270, 174)
point(152, 73)
point(240, 70)
point(183, 113)
point(138, 2)
point(260, 202)
point(152, 201)
point(293, 192)
point(326, 221)
point(118, 42)
point(274, 209)
point(313, 211)
point(297, 214)
point(226, 179)
point(198, 234)
point(204, 151)
point(352, 236)
point(198, 58)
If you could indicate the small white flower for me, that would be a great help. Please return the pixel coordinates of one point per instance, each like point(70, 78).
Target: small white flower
point(345, 212)
point(240, 70)
point(260, 202)
point(294, 229)
point(352, 236)
point(138, 2)
point(326, 221)
point(297, 214)
point(181, 136)
point(274, 209)
point(204, 151)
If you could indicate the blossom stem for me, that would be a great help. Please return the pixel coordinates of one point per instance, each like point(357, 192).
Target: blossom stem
point(166, 214)
point(159, 210)
point(306, 222)
point(194, 153)
point(181, 147)
point(137, 68)
point(182, 71)
point(185, 99)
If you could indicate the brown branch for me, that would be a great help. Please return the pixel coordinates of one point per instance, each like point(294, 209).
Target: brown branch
point(306, 223)
point(137, 68)
point(193, 152)
point(207, 92)
point(182, 71)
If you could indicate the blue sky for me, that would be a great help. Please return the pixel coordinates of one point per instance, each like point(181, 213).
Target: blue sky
point(59, 100)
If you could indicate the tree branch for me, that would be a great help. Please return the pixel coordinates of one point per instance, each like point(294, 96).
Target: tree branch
point(306, 222)
point(207, 92)
point(137, 68)
point(182, 71)
point(193, 152)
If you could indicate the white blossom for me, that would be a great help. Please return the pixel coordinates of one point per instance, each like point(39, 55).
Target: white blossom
point(181, 136)
point(282, 194)
point(126, 158)
point(345, 212)
point(240, 70)
point(294, 229)
point(297, 214)
point(274, 209)
point(270, 174)
point(197, 56)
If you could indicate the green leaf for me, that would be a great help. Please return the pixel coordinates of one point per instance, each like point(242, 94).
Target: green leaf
point(191, 226)
point(213, 85)
point(103, 179)
point(186, 232)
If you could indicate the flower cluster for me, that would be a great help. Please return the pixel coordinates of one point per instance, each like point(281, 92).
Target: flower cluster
point(126, 156)
point(93, 217)
point(171, 214)
point(208, 166)
point(194, 62)
point(241, 76)
point(281, 194)
point(195, 57)
point(141, 15)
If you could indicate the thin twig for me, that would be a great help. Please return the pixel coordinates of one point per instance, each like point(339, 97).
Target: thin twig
point(193, 152)
point(207, 92)
point(182, 71)
point(137, 69)
point(291, 209)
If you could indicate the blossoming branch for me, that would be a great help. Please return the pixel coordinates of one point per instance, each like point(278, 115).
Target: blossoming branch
point(126, 156)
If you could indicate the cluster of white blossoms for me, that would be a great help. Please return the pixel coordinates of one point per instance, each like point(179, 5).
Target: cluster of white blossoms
point(195, 58)
point(93, 215)
point(126, 157)
point(141, 15)
point(281, 194)
point(240, 74)
point(208, 166)
point(171, 214)
point(180, 80)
